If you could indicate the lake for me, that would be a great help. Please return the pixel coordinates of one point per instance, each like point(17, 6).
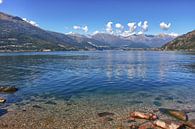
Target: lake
point(75, 86)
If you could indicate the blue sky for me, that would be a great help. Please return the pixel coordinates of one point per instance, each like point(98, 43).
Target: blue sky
point(88, 16)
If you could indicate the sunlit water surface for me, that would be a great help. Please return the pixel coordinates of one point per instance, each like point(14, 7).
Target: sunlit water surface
point(130, 78)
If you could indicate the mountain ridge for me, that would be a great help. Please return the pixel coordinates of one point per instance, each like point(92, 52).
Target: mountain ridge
point(17, 34)
point(183, 42)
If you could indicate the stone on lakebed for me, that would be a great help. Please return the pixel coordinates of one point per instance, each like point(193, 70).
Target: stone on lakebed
point(147, 125)
point(181, 115)
point(3, 112)
point(2, 100)
point(168, 124)
point(103, 114)
point(141, 115)
point(190, 123)
point(8, 89)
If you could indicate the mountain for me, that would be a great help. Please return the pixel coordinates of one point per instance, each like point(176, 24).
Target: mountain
point(88, 41)
point(153, 41)
point(116, 41)
point(134, 41)
point(17, 34)
point(184, 42)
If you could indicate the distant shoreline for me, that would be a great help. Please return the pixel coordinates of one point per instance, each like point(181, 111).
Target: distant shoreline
point(129, 49)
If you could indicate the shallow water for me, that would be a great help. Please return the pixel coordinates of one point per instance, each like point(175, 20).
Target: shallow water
point(102, 80)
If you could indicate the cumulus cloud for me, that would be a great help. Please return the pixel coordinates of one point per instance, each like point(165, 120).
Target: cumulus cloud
point(1, 1)
point(76, 27)
point(174, 34)
point(109, 27)
point(132, 27)
point(31, 22)
point(119, 26)
point(84, 28)
point(127, 33)
point(165, 26)
point(131, 30)
point(143, 26)
point(140, 33)
point(69, 33)
point(139, 24)
point(96, 32)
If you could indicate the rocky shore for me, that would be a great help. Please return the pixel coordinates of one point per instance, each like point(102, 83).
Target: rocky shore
point(52, 114)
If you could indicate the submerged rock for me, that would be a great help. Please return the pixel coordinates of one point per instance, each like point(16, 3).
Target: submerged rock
point(168, 124)
point(181, 115)
point(157, 103)
point(3, 112)
point(191, 123)
point(103, 114)
point(141, 115)
point(133, 126)
point(106, 119)
point(8, 89)
point(147, 125)
point(37, 106)
point(2, 100)
point(135, 102)
point(51, 103)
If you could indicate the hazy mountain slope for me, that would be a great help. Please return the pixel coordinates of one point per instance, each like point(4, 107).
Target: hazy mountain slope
point(88, 41)
point(118, 41)
point(153, 41)
point(134, 41)
point(19, 35)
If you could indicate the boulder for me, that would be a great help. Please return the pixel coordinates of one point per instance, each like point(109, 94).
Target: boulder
point(8, 89)
point(141, 115)
point(2, 100)
point(168, 124)
point(181, 115)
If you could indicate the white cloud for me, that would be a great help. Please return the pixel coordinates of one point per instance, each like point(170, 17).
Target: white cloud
point(69, 33)
point(119, 26)
point(173, 34)
point(140, 33)
point(31, 22)
point(143, 26)
point(109, 27)
point(132, 27)
point(76, 27)
point(1, 1)
point(165, 26)
point(127, 33)
point(96, 32)
point(85, 29)
point(139, 24)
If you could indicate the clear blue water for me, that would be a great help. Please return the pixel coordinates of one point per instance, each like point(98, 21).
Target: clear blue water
point(64, 75)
